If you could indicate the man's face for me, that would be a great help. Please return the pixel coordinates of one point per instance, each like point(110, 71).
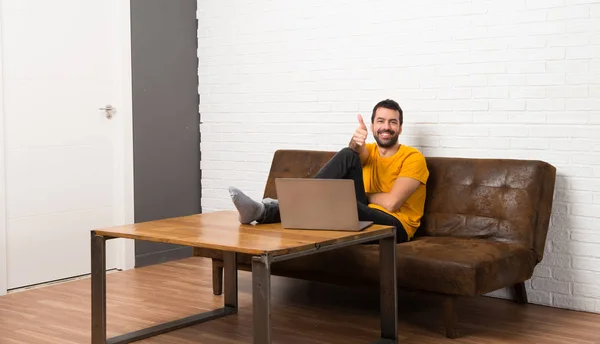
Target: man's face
point(386, 127)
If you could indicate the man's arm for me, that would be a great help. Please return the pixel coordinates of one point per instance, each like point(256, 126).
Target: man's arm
point(403, 188)
point(362, 151)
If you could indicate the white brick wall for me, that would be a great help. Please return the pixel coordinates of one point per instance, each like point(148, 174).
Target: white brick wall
point(476, 78)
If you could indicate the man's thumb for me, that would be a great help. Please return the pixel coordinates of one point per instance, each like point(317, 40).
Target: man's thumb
point(361, 122)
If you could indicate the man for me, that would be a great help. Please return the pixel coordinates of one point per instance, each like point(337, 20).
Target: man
point(389, 178)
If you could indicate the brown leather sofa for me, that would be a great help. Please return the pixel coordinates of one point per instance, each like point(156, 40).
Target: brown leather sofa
point(484, 228)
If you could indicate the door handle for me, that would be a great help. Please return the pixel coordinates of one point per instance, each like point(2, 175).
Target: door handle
point(109, 109)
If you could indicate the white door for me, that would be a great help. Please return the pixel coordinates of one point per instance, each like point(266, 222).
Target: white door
point(68, 166)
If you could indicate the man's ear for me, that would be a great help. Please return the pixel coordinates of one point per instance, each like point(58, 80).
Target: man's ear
point(371, 125)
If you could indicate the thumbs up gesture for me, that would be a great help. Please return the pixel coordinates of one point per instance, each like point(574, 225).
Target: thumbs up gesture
point(360, 135)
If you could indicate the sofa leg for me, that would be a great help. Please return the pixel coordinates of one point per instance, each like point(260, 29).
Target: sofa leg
point(217, 274)
point(520, 292)
point(450, 316)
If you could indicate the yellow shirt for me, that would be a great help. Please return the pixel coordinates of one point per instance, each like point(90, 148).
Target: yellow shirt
point(380, 173)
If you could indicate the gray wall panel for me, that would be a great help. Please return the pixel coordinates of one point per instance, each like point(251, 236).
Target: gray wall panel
point(165, 118)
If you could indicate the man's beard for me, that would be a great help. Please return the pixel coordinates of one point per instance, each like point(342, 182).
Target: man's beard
point(389, 142)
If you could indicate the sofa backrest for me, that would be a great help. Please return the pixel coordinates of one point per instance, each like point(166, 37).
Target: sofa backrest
point(288, 163)
point(495, 199)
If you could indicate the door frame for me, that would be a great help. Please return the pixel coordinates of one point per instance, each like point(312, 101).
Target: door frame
point(3, 222)
point(124, 197)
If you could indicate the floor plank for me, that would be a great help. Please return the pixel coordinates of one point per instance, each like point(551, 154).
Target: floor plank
point(302, 312)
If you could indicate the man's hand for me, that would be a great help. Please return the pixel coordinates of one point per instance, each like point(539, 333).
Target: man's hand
point(360, 135)
point(403, 188)
point(359, 138)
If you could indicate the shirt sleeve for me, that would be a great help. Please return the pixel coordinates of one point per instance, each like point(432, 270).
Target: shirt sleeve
point(369, 147)
point(415, 166)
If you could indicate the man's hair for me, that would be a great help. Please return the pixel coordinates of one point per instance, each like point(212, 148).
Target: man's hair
point(388, 104)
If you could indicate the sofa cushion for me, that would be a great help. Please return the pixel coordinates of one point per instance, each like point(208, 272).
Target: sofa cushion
point(462, 266)
point(446, 265)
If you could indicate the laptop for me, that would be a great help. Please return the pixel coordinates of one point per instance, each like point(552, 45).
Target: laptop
point(323, 204)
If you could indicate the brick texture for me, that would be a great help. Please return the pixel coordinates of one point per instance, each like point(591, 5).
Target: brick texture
point(480, 78)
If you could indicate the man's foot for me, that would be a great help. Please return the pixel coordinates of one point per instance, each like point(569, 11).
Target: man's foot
point(249, 209)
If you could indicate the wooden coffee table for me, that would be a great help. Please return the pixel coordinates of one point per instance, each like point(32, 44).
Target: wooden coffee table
point(267, 243)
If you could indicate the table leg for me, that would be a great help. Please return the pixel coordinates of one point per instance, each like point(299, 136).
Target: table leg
point(261, 299)
point(98, 257)
point(388, 290)
point(231, 280)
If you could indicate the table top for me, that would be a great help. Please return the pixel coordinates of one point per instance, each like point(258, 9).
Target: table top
point(222, 230)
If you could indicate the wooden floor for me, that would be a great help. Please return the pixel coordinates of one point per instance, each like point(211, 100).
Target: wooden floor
point(302, 312)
